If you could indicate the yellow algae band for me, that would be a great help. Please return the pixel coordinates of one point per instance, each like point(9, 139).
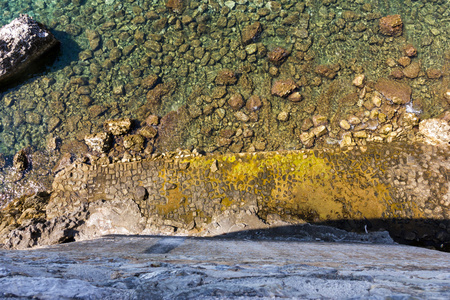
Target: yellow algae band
point(310, 185)
point(301, 184)
point(403, 188)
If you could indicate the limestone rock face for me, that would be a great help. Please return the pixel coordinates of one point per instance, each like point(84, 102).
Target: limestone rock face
point(39, 232)
point(22, 42)
point(111, 217)
point(240, 267)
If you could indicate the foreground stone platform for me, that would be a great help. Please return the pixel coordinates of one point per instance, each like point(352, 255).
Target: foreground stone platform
point(157, 267)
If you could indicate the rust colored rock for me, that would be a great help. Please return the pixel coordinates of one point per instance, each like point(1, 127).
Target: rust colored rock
point(410, 50)
point(225, 77)
point(412, 71)
point(278, 55)
point(172, 130)
point(397, 73)
point(236, 101)
point(404, 61)
point(391, 25)
point(394, 91)
point(319, 120)
point(227, 133)
point(152, 120)
point(434, 73)
point(148, 132)
point(284, 87)
point(155, 95)
point(176, 5)
point(253, 103)
point(295, 97)
point(325, 71)
point(149, 81)
point(20, 161)
point(250, 33)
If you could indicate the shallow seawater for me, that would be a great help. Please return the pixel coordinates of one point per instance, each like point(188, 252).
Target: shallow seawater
point(110, 47)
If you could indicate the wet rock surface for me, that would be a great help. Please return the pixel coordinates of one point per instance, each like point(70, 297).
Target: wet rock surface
point(248, 266)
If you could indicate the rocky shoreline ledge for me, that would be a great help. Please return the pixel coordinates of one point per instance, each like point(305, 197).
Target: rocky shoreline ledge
point(399, 187)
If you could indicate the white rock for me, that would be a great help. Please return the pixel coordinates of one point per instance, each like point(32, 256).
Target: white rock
point(230, 4)
point(435, 131)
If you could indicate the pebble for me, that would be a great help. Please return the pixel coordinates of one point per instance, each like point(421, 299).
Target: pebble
point(319, 130)
point(404, 61)
point(358, 81)
point(253, 103)
point(354, 120)
point(241, 116)
point(230, 4)
point(412, 70)
point(344, 124)
point(236, 101)
point(307, 139)
point(283, 116)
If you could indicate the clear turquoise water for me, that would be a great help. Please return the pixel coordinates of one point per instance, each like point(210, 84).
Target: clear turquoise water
point(355, 44)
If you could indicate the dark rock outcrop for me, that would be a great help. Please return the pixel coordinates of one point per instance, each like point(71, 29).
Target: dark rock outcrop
point(22, 42)
point(20, 161)
point(39, 232)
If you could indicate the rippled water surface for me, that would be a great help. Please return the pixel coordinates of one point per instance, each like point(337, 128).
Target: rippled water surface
point(110, 49)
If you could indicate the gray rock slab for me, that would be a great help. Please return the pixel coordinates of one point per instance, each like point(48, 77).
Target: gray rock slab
point(160, 267)
point(22, 42)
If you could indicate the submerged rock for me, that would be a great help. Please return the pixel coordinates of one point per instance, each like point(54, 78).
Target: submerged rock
point(176, 5)
point(226, 77)
point(250, 33)
point(118, 127)
point(394, 91)
point(22, 42)
point(20, 161)
point(282, 88)
point(236, 101)
point(278, 55)
point(412, 70)
point(410, 50)
point(391, 25)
